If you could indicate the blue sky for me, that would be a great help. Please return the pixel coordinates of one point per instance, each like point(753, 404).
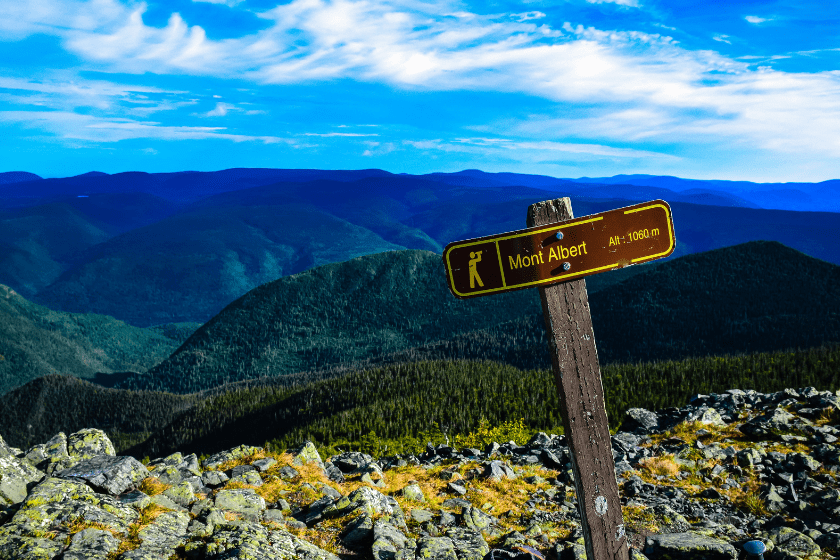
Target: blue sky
point(742, 90)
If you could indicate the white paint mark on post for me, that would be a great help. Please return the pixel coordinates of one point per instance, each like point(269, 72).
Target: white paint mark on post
point(600, 505)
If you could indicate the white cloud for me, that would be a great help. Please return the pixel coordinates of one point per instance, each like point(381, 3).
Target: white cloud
point(525, 16)
point(631, 3)
point(330, 134)
point(648, 84)
point(75, 126)
point(755, 19)
point(379, 149)
point(225, 2)
point(722, 38)
point(221, 110)
point(535, 150)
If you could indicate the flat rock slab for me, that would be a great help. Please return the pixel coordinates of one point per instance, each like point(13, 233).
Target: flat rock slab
point(55, 500)
point(15, 476)
point(688, 546)
point(114, 475)
point(241, 540)
point(214, 461)
point(241, 500)
point(435, 548)
point(91, 544)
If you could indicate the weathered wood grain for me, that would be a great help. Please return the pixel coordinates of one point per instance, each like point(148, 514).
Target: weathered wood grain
point(578, 376)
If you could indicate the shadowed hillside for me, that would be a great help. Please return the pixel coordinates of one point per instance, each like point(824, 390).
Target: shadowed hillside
point(41, 408)
point(396, 306)
point(35, 341)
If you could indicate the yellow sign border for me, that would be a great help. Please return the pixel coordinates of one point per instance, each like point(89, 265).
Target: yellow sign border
point(554, 227)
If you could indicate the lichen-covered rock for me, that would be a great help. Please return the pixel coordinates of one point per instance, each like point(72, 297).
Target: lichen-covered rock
point(6, 450)
point(251, 478)
point(15, 547)
point(370, 501)
point(240, 540)
point(775, 419)
point(241, 500)
point(358, 532)
point(705, 415)
point(88, 443)
point(476, 520)
point(51, 456)
point(351, 461)
point(110, 474)
point(56, 500)
point(668, 520)
point(182, 494)
point(688, 546)
point(306, 453)
point(640, 420)
point(91, 544)
point(135, 498)
point(160, 538)
point(235, 453)
point(435, 548)
point(791, 544)
point(413, 492)
point(469, 544)
point(572, 551)
point(498, 470)
point(388, 541)
point(16, 477)
point(263, 465)
point(214, 478)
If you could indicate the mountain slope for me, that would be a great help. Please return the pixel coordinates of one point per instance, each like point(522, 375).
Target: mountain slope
point(38, 410)
point(373, 308)
point(35, 341)
point(337, 313)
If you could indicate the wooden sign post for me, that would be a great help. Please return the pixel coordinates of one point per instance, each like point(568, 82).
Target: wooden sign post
point(541, 256)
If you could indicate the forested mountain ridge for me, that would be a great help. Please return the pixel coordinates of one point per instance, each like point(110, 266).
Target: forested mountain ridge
point(758, 296)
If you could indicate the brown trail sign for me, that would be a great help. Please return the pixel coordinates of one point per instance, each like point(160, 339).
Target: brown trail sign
point(539, 257)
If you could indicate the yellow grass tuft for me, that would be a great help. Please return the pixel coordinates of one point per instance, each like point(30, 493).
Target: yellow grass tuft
point(664, 465)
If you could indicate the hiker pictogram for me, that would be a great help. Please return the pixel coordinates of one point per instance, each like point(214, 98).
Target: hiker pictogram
point(474, 259)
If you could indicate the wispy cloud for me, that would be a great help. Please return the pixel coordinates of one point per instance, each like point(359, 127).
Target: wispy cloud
point(330, 134)
point(613, 86)
point(755, 19)
point(96, 129)
point(534, 151)
point(631, 3)
point(224, 2)
point(220, 110)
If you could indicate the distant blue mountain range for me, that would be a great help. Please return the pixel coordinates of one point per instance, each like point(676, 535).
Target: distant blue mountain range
point(155, 248)
point(190, 185)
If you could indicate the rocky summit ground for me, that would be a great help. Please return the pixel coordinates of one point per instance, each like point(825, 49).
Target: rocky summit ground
point(696, 482)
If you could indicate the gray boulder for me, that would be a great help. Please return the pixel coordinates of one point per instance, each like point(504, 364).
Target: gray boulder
point(640, 420)
point(791, 544)
point(87, 444)
point(241, 500)
point(436, 548)
point(48, 507)
point(468, 544)
point(113, 475)
point(17, 476)
point(689, 546)
point(388, 541)
point(91, 544)
point(306, 453)
point(240, 540)
point(160, 538)
point(236, 453)
point(775, 419)
point(498, 470)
